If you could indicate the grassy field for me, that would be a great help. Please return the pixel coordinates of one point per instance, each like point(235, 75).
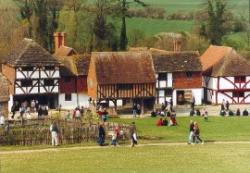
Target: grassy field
point(223, 158)
point(216, 129)
point(227, 157)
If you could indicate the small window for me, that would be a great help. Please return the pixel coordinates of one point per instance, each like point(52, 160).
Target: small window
point(26, 83)
point(238, 94)
point(162, 76)
point(27, 68)
point(48, 82)
point(125, 86)
point(240, 79)
point(68, 97)
point(49, 68)
point(168, 92)
point(189, 74)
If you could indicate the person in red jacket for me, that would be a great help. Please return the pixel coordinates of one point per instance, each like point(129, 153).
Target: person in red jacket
point(159, 122)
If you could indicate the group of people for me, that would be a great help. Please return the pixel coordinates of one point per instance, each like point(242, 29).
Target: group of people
point(75, 114)
point(203, 113)
point(103, 114)
point(116, 134)
point(29, 107)
point(194, 133)
point(167, 121)
point(226, 111)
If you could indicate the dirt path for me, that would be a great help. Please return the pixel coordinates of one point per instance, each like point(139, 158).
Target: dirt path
point(125, 146)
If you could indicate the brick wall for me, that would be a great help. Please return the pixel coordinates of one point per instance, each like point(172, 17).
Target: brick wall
point(10, 73)
point(181, 81)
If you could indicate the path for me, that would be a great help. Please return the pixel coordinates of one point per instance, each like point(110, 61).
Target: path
point(105, 147)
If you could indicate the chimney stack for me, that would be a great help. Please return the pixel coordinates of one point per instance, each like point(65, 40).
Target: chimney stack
point(59, 38)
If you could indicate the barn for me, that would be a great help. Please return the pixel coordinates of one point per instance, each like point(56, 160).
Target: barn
point(126, 76)
point(226, 76)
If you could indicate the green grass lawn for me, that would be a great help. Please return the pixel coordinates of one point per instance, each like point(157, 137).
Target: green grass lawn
point(216, 129)
point(208, 158)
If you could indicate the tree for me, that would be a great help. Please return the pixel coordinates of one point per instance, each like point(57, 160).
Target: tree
point(216, 22)
point(123, 10)
point(42, 16)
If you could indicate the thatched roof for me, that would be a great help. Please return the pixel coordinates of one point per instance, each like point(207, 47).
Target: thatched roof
point(123, 67)
point(168, 61)
point(28, 52)
point(4, 91)
point(75, 65)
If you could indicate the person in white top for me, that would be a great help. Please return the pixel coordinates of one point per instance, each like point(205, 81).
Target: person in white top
point(2, 120)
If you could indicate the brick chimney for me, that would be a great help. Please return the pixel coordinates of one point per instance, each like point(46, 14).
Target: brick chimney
point(59, 38)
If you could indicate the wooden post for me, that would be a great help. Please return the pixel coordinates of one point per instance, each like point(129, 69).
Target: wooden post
point(142, 106)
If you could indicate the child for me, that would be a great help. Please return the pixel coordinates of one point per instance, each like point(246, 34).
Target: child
point(115, 135)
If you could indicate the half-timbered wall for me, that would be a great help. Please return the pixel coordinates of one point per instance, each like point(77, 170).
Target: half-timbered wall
point(227, 88)
point(125, 91)
point(37, 80)
point(164, 86)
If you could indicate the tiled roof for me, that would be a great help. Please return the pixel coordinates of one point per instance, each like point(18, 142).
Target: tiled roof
point(28, 52)
point(168, 61)
point(213, 55)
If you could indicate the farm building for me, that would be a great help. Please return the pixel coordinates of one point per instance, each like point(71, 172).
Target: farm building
point(226, 75)
point(4, 94)
point(33, 74)
point(73, 81)
point(178, 75)
point(126, 76)
point(74, 72)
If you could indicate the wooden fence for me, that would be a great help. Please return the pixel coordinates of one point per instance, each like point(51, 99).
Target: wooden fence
point(36, 132)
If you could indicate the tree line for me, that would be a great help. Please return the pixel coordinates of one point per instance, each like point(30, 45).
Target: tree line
point(100, 25)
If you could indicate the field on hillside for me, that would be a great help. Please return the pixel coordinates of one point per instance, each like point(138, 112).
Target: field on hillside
point(238, 6)
point(223, 158)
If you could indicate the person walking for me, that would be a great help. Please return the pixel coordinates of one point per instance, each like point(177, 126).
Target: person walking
point(191, 132)
point(134, 110)
point(133, 134)
point(101, 135)
point(54, 134)
point(197, 133)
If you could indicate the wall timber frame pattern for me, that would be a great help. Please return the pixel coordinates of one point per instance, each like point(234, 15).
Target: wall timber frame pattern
point(136, 91)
